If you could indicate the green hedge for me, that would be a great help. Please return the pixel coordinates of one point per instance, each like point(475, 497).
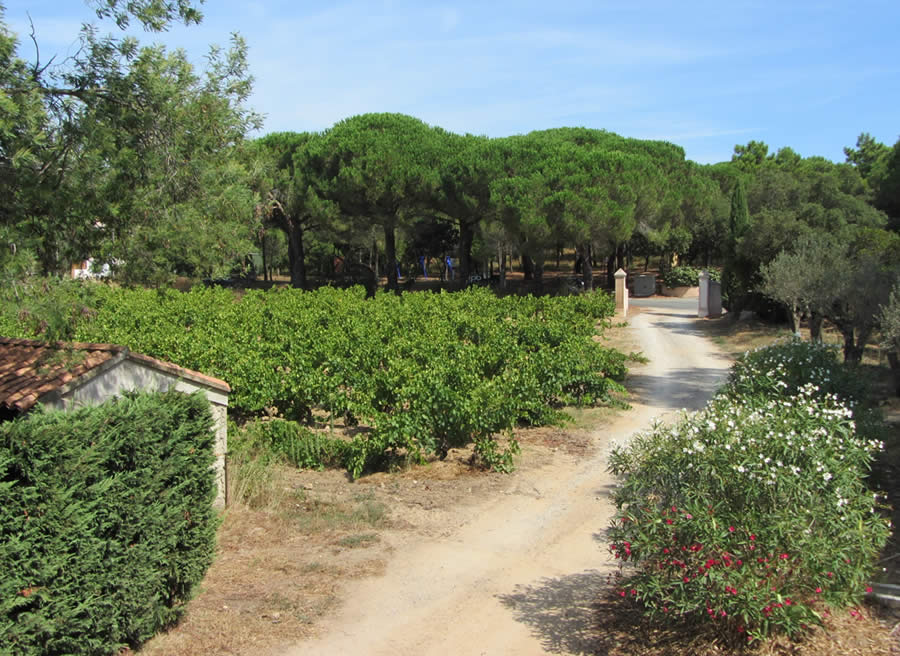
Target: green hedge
point(107, 522)
point(685, 276)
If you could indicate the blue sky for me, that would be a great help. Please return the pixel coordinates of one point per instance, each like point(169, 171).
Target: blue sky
point(704, 75)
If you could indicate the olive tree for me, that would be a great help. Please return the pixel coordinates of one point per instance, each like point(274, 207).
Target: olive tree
point(804, 279)
point(890, 333)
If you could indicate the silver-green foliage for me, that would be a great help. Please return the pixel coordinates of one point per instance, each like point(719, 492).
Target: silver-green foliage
point(890, 321)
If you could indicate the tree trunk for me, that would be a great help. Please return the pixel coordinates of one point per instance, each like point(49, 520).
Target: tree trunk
point(582, 252)
point(795, 319)
point(296, 255)
point(264, 259)
point(894, 361)
point(501, 262)
point(620, 256)
point(375, 266)
point(466, 235)
point(558, 255)
point(527, 267)
point(852, 349)
point(390, 255)
point(611, 271)
point(815, 327)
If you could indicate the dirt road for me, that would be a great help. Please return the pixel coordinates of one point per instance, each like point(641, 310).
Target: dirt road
point(519, 573)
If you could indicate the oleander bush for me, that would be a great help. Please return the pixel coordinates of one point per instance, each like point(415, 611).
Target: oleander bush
point(786, 366)
point(107, 522)
point(754, 513)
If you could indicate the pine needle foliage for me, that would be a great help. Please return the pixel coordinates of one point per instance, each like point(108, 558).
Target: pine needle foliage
point(107, 522)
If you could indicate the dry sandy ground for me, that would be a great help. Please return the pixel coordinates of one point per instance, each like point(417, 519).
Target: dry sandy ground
point(519, 572)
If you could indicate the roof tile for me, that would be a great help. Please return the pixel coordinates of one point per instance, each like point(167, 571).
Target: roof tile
point(30, 369)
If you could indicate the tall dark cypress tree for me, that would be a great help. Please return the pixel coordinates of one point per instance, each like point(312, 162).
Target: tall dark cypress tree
point(735, 278)
point(739, 219)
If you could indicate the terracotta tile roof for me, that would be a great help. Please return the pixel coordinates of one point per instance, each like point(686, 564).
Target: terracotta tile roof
point(29, 369)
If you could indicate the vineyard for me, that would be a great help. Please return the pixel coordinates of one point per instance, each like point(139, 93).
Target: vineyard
point(416, 374)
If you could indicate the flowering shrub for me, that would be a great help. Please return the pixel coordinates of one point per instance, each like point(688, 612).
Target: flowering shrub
point(752, 513)
point(782, 368)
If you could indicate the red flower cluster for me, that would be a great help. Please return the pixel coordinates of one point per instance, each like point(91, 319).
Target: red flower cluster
point(626, 550)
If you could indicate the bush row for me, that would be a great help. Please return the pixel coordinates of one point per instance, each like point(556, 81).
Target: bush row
point(754, 513)
point(107, 522)
point(425, 372)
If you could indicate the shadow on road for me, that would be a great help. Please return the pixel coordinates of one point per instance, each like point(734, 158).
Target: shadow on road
point(693, 327)
point(562, 612)
point(680, 388)
point(585, 614)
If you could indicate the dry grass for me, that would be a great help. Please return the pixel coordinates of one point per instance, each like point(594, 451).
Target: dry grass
point(623, 631)
point(279, 567)
point(736, 337)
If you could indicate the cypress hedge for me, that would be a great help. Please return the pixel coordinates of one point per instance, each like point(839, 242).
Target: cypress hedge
point(106, 522)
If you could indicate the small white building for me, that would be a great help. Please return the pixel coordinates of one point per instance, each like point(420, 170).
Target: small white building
point(68, 375)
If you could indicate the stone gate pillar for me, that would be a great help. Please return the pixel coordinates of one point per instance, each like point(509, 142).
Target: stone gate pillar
point(710, 301)
point(703, 306)
point(621, 293)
